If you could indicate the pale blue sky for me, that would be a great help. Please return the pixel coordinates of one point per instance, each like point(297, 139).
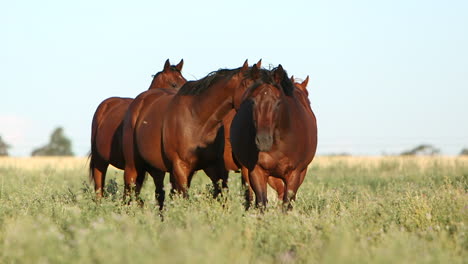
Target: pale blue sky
point(384, 75)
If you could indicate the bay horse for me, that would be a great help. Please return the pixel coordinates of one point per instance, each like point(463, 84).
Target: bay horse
point(179, 133)
point(273, 134)
point(302, 94)
point(233, 165)
point(106, 130)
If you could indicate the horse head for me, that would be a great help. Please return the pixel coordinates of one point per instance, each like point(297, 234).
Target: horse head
point(301, 86)
point(247, 77)
point(169, 77)
point(266, 99)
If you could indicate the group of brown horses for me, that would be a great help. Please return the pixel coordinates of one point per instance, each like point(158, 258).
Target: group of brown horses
point(248, 119)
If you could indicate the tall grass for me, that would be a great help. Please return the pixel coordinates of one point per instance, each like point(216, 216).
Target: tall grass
point(349, 210)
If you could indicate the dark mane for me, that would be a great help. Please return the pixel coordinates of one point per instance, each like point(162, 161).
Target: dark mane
point(198, 87)
point(287, 84)
point(266, 76)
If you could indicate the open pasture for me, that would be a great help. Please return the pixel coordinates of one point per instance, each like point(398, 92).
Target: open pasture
point(348, 210)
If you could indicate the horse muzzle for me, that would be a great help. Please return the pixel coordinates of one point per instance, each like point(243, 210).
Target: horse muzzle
point(264, 141)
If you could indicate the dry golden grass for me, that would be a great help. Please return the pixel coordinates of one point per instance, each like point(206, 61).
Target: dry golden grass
point(372, 161)
point(32, 163)
point(322, 161)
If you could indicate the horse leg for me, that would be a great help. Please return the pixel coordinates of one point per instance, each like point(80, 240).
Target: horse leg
point(138, 185)
point(180, 175)
point(292, 184)
point(98, 171)
point(248, 193)
point(258, 180)
point(217, 173)
point(278, 185)
point(303, 174)
point(133, 178)
point(159, 193)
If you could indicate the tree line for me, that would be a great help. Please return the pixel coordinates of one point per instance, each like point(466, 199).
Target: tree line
point(59, 145)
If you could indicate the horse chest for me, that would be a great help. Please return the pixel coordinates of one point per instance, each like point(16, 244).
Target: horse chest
point(275, 164)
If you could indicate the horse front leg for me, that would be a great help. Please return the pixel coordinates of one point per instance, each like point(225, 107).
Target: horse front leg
point(258, 180)
point(248, 192)
point(292, 184)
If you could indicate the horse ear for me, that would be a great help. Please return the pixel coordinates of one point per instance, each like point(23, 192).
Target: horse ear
point(245, 66)
point(179, 66)
point(259, 63)
point(167, 65)
point(305, 82)
point(292, 78)
point(278, 74)
point(255, 72)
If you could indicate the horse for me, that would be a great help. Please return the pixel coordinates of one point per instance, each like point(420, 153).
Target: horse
point(106, 130)
point(303, 95)
point(179, 133)
point(231, 164)
point(273, 134)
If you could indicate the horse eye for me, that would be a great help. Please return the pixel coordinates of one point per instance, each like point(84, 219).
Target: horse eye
point(174, 85)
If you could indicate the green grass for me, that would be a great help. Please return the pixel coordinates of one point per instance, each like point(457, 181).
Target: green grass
point(392, 210)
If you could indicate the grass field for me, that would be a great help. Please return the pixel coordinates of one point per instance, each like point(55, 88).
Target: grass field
point(349, 210)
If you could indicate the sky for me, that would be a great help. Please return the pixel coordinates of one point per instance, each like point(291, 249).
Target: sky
point(385, 76)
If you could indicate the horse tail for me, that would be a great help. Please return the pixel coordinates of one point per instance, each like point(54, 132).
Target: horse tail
point(91, 166)
point(92, 152)
point(94, 129)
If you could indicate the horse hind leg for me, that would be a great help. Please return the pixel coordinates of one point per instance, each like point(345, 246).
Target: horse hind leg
point(180, 177)
point(219, 178)
point(141, 175)
point(278, 185)
point(133, 181)
point(159, 193)
point(98, 169)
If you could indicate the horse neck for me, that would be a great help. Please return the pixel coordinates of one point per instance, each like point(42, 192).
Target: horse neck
point(284, 121)
point(215, 103)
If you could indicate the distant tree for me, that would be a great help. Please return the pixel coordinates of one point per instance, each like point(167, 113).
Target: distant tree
point(423, 149)
point(464, 152)
point(59, 145)
point(3, 147)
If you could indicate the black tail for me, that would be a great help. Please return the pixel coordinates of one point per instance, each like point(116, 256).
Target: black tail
point(94, 126)
point(91, 165)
